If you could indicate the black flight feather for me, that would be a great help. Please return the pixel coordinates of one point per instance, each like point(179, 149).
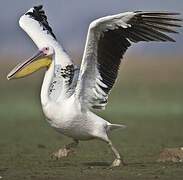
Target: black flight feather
point(39, 15)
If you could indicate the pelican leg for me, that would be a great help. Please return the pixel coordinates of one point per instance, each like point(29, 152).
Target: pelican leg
point(118, 159)
point(66, 151)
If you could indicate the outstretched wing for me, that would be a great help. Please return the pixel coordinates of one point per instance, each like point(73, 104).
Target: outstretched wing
point(107, 40)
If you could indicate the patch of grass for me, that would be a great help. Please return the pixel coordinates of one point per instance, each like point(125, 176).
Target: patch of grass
point(147, 98)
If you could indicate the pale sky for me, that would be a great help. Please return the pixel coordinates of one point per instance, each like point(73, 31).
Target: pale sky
point(70, 19)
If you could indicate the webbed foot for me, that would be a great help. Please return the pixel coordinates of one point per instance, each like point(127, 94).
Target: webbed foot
point(116, 163)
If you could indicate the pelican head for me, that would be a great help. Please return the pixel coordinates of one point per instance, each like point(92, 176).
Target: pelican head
point(40, 59)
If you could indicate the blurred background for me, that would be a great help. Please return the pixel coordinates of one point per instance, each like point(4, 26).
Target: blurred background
point(70, 20)
point(147, 97)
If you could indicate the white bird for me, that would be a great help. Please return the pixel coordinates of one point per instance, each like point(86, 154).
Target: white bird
point(68, 94)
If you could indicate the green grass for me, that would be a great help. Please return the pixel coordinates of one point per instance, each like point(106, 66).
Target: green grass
point(147, 98)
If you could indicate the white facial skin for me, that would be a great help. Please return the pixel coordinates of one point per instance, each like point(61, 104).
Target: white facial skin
point(48, 51)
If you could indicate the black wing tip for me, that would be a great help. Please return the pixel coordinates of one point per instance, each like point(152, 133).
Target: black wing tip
point(38, 7)
point(37, 12)
point(39, 15)
point(172, 40)
point(167, 13)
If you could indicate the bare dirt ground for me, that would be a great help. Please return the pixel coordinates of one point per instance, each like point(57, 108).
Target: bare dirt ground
point(171, 155)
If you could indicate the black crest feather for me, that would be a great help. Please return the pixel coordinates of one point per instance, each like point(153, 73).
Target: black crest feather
point(39, 15)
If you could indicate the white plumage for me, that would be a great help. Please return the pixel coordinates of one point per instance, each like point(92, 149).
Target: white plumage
point(68, 94)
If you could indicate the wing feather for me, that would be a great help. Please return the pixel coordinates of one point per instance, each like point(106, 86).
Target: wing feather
point(107, 41)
